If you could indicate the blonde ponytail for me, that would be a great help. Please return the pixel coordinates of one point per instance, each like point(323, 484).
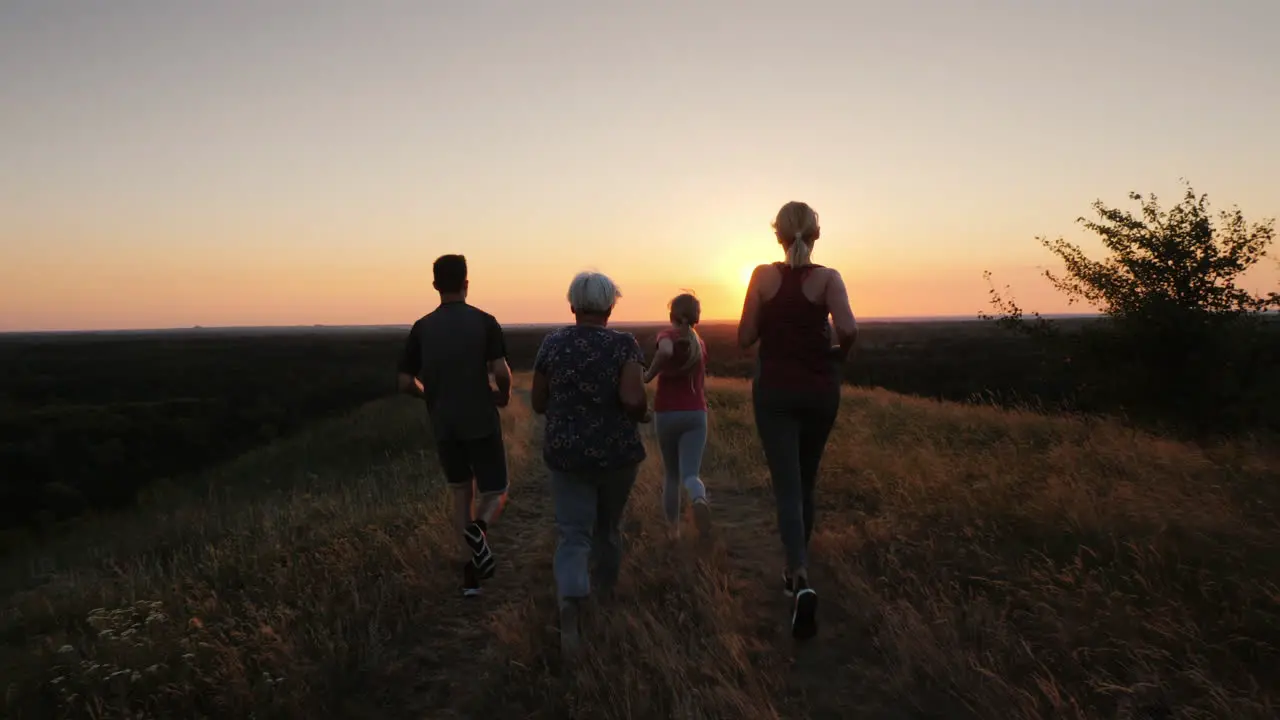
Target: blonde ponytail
point(798, 253)
point(689, 335)
point(686, 311)
point(797, 228)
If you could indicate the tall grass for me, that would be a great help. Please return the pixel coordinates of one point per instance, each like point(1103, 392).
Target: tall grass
point(971, 562)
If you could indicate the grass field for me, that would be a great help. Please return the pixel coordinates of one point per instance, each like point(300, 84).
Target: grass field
point(87, 420)
point(971, 563)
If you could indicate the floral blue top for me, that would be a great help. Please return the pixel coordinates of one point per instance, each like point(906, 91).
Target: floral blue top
point(586, 427)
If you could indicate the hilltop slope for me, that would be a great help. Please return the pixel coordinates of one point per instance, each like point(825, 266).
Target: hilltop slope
point(971, 563)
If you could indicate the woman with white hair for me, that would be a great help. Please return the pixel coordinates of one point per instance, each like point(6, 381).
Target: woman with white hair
point(588, 382)
point(796, 389)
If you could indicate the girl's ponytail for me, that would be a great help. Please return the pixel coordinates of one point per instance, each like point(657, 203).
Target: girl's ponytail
point(686, 311)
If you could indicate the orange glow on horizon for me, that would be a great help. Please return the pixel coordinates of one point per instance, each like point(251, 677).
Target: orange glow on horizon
point(77, 276)
point(156, 175)
point(103, 290)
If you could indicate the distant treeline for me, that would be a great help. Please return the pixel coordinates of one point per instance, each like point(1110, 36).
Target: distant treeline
point(85, 422)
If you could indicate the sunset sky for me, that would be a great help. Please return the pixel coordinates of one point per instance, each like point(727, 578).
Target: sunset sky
point(168, 164)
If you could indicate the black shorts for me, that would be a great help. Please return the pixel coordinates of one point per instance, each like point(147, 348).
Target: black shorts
point(483, 459)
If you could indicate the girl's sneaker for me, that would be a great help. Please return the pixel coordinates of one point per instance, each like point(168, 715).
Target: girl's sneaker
point(702, 517)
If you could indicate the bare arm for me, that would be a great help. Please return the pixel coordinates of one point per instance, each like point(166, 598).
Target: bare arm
point(846, 327)
point(635, 402)
point(540, 389)
point(539, 393)
point(665, 350)
point(749, 324)
point(409, 385)
point(502, 378)
point(495, 355)
point(410, 365)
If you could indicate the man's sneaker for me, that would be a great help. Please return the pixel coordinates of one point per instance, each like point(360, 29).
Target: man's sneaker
point(702, 517)
point(470, 580)
point(485, 566)
point(481, 555)
point(786, 585)
point(804, 616)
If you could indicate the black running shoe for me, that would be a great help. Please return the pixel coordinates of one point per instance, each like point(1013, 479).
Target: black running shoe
point(482, 556)
point(804, 617)
point(485, 564)
point(470, 580)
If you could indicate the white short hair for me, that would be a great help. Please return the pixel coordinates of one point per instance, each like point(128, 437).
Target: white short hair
point(593, 293)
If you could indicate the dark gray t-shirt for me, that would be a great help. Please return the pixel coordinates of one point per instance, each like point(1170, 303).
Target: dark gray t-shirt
point(449, 350)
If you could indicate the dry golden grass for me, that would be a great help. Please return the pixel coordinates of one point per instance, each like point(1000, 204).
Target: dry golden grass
point(970, 562)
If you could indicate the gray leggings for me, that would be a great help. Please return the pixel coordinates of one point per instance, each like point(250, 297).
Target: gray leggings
point(793, 428)
point(682, 436)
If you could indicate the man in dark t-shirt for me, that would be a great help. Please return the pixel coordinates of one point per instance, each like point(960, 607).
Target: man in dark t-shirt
point(448, 360)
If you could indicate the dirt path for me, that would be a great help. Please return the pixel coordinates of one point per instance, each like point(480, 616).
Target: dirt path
point(697, 629)
point(815, 679)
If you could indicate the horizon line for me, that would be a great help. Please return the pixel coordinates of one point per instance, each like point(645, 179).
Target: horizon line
point(883, 319)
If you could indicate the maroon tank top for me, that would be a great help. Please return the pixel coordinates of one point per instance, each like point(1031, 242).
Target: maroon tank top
point(795, 340)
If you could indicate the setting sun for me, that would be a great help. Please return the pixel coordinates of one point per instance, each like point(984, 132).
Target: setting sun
point(744, 274)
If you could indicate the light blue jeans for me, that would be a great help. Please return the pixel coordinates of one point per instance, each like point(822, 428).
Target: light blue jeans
point(589, 509)
point(682, 436)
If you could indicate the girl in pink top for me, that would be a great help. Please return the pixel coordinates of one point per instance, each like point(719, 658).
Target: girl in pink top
point(680, 411)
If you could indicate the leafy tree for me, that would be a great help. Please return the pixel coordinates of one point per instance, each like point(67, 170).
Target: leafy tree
point(1166, 265)
point(1170, 284)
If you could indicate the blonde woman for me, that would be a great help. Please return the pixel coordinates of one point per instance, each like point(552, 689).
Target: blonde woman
point(791, 308)
point(680, 411)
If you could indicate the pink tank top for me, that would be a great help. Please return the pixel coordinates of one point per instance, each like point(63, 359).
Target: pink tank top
point(681, 391)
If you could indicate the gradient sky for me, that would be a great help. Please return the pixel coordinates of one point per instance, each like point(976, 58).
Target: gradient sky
point(167, 163)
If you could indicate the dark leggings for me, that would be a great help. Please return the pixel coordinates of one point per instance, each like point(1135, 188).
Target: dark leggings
point(793, 428)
